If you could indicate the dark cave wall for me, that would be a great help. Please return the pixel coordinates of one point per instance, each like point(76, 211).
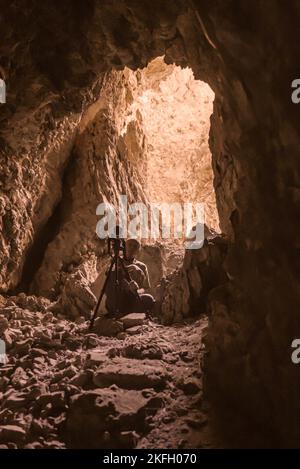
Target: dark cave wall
point(254, 141)
point(247, 52)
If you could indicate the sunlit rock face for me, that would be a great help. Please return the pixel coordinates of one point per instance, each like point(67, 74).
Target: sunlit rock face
point(52, 67)
point(106, 161)
point(36, 143)
point(175, 111)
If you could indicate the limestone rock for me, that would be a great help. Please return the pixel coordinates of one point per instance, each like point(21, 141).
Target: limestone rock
point(107, 327)
point(94, 416)
point(77, 299)
point(96, 358)
point(133, 319)
point(131, 374)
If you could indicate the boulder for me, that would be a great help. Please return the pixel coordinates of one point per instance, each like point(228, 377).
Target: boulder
point(131, 374)
point(107, 327)
point(98, 419)
point(133, 319)
point(96, 358)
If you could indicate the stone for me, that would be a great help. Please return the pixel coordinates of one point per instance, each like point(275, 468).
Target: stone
point(190, 386)
point(81, 379)
point(90, 341)
point(16, 401)
point(107, 327)
point(56, 399)
point(95, 358)
point(76, 299)
point(12, 433)
point(132, 320)
point(23, 347)
point(131, 374)
point(121, 335)
point(37, 352)
point(94, 413)
point(142, 351)
point(19, 378)
point(133, 330)
point(68, 372)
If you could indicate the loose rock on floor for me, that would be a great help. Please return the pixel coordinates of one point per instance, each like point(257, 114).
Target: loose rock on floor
point(64, 386)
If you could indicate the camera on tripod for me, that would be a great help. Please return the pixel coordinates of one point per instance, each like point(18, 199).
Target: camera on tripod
point(115, 246)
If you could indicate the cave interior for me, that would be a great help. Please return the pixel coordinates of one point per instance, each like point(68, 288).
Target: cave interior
point(168, 101)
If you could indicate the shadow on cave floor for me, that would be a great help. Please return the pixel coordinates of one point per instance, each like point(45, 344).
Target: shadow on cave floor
point(237, 431)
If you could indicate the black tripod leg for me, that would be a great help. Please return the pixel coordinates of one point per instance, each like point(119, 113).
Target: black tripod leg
point(101, 295)
point(117, 284)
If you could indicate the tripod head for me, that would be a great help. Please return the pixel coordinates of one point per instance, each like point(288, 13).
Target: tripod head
point(116, 245)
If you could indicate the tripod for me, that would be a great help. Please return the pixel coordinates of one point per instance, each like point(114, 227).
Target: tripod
point(117, 244)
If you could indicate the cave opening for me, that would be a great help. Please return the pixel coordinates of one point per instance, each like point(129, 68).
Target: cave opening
point(171, 110)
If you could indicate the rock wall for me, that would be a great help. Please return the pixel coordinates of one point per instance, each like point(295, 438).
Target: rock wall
point(36, 144)
point(104, 164)
point(186, 291)
point(248, 53)
point(254, 144)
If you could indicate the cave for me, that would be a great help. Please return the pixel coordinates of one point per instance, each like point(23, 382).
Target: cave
point(169, 101)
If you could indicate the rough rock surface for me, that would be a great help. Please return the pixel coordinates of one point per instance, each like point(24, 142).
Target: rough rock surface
point(185, 291)
point(106, 418)
point(103, 166)
point(132, 319)
point(131, 374)
point(66, 387)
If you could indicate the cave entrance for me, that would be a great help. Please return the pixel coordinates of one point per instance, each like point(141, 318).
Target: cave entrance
point(173, 111)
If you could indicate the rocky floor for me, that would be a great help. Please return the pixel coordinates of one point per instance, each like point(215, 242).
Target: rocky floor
point(65, 387)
